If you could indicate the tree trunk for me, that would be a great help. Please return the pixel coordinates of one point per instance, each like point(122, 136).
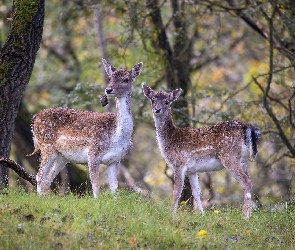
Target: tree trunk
point(176, 59)
point(17, 59)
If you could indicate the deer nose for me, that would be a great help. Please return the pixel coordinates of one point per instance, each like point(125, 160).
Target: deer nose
point(109, 91)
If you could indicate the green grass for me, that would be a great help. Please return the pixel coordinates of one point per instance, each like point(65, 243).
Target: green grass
point(29, 221)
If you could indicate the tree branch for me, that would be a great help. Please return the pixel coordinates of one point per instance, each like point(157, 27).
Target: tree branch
point(291, 111)
point(19, 170)
point(269, 97)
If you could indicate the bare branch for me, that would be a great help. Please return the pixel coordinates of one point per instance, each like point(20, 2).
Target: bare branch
point(19, 170)
point(259, 28)
point(274, 118)
point(253, 24)
point(269, 97)
point(291, 111)
point(227, 8)
point(228, 98)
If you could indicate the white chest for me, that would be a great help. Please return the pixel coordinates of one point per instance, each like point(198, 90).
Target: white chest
point(119, 147)
point(161, 146)
point(121, 141)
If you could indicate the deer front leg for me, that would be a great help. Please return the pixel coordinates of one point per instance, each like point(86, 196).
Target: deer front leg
point(178, 186)
point(93, 164)
point(194, 181)
point(112, 176)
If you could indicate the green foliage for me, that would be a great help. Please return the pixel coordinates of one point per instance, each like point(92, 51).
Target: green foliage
point(29, 221)
point(85, 96)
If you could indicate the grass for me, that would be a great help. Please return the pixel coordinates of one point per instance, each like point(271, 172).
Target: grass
point(29, 221)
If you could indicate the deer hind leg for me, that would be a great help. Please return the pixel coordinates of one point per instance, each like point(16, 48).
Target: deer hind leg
point(47, 160)
point(179, 175)
point(247, 208)
point(238, 170)
point(194, 181)
point(112, 176)
point(93, 164)
point(59, 163)
point(246, 184)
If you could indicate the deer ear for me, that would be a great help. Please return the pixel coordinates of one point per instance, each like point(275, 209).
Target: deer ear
point(136, 70)
point(109, 68)
point(148, 92)
point(175, 94)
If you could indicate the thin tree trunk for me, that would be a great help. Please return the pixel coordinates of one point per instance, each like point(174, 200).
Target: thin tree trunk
point(98, 21)
point(17, 59)
point(176, 59)
point(101, 40)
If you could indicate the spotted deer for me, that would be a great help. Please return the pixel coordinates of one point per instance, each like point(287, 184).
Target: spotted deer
point(189, 151)
point(72, 135)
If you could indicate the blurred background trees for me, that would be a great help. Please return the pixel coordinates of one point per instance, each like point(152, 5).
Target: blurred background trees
point(233, 59)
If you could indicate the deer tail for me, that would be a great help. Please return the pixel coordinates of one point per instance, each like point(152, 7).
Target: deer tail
point(34, 152)
point(34, 139)
point(253, 137)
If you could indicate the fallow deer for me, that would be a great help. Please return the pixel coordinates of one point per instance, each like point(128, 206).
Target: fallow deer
point(189, 151)
point(66, 134)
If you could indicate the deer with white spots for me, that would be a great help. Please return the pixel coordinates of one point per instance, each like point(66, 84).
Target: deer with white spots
point(72, 135)
point(189, 151)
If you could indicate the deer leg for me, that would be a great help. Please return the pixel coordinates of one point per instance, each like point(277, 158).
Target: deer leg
point(178, 186)
point(194, 181)
point(237, 169)
point(246, 184)
point(112, 176)
point(47, 160)
point(93, 164)
point(57, 166)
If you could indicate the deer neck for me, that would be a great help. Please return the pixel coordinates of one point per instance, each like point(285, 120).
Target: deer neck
point(124, 115)
point(164, 128)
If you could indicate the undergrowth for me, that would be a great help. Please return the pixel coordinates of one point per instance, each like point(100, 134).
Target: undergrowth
point(128, 221)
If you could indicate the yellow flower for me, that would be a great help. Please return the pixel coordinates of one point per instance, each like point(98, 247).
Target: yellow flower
point(182, 203)
point(202, 234)
point(216, 211)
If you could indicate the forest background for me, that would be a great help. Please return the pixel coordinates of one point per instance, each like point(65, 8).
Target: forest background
point(233, 59)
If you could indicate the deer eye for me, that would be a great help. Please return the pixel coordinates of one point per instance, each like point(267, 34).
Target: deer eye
point(167, 102)
point(152, 100)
